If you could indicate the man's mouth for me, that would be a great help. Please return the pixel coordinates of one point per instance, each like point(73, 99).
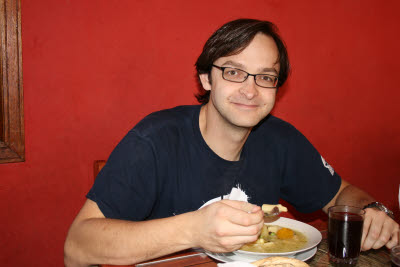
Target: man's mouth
point(245, 105)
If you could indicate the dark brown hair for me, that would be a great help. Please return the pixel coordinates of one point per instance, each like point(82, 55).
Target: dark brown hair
point(231, 39)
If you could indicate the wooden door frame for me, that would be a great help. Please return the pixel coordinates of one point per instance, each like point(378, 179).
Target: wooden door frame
point(12, 135)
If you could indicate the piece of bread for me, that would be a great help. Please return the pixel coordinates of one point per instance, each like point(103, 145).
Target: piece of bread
point(268, 208)
point(279, 260)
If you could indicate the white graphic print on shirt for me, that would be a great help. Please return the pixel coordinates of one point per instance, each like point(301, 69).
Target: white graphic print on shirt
point(329, 167)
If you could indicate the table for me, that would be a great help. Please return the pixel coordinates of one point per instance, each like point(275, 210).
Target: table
point(197, 258)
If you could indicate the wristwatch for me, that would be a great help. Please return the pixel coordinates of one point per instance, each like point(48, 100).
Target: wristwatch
point(381, 207)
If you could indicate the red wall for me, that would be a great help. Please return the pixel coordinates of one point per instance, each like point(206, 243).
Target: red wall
point(92, 69)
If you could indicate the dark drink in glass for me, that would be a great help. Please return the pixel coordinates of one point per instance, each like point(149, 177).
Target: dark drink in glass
point(344, 234)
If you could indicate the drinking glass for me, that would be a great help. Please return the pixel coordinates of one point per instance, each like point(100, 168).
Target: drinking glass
point(395, 256)
point(344, 234)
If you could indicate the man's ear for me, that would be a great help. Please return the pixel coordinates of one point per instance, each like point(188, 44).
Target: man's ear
point(205, 81)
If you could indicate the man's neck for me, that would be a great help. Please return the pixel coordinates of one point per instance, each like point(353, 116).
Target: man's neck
point(225, 139)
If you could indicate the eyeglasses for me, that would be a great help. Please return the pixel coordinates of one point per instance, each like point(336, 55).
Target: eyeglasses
point(239, 76)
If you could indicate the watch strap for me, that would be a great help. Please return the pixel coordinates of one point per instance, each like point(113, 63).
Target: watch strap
point(381, 207)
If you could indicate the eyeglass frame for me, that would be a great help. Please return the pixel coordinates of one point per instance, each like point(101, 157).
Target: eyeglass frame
point(248, 74)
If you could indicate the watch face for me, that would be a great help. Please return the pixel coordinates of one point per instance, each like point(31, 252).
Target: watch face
point(381, 207)
point(384, 209)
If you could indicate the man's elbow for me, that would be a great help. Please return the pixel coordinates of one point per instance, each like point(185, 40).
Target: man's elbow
point(70, 255)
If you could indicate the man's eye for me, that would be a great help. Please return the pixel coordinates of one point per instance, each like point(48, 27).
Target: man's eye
point(267, 78)
point(232, 72)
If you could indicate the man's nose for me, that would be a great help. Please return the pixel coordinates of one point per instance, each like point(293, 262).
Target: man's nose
point(249, 88)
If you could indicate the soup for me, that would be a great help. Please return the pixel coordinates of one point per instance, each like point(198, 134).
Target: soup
point(275, 239)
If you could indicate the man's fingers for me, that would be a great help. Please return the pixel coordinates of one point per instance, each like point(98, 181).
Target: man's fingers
point(243, 213)
point(242, 205)
point(367, 224)
point(232, 230)
point(394, 241)
point(232, 243)
point(241, 223)
point(229, 218)
point(247, 219)
point(395, 238)
point(374, 231)
point(377, 230)
point(389, 234)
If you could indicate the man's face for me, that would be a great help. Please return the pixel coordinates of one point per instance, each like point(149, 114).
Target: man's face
point(243, 104)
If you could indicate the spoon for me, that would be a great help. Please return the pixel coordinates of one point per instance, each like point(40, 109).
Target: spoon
point(274, 212)
point(271, 215)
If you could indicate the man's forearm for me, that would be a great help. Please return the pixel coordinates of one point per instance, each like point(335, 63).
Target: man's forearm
point(353, 196)
point(108, 241)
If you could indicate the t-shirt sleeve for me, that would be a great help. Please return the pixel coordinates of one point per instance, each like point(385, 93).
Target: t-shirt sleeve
point(126, 187)
point(309, 182)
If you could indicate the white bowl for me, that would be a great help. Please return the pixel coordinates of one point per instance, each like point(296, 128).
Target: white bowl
point(313, 238)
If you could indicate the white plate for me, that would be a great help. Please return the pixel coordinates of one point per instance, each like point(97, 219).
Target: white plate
point(230, 257)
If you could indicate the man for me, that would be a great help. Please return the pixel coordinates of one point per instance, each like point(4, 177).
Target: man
point(161, 189)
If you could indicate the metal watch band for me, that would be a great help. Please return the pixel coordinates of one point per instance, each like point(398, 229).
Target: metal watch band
point(381, 207)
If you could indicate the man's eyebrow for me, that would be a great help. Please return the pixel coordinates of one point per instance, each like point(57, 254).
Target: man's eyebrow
point(270, 70)
point(242, 67)
point(234, 64)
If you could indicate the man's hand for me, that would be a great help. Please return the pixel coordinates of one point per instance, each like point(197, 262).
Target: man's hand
point(226, 225)
point(379, 230)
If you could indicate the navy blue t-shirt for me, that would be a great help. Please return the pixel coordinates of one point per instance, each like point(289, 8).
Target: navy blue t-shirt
point(163, 167)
